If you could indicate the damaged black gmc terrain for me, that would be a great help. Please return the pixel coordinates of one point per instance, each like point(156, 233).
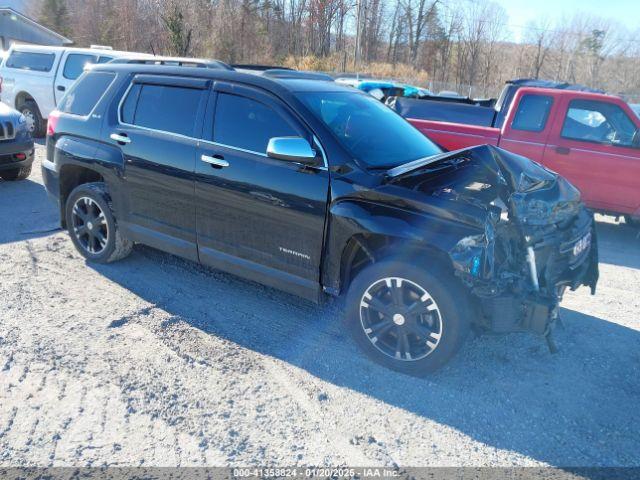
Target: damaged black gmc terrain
point(318, 190)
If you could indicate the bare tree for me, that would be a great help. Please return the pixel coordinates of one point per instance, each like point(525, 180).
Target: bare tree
point(540, 38)
point(418, 14)
point(179, 33)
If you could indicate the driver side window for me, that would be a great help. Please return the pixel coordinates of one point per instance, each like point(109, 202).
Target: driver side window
point(243, 123)
point(598, 122)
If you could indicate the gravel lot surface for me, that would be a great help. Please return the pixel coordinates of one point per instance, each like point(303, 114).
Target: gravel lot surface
point(158, 361)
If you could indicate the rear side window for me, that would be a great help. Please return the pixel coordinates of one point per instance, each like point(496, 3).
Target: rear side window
point(165, 108)
point(130, 103)
point(74, 66)
point(85, 93)
point(533, 112)
point(247, 124)
point(39, 62)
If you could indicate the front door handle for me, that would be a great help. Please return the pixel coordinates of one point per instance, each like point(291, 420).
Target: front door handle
point(216, 160)
point(121, 139)
point(61, 88)
point(563, 150)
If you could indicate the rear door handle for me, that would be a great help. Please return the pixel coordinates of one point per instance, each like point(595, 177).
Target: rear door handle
point(61, 88)
point(121, 139)
point(563, 150)
point(216, 160)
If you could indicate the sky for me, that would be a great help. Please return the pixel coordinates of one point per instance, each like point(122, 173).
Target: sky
point(626, 12)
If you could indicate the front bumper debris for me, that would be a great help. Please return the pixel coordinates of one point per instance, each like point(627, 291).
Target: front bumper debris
point(535, 237)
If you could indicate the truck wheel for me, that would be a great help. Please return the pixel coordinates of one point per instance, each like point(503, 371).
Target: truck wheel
point(92, 226)
point(409, 319)
point(16, 173)
point(35, 122)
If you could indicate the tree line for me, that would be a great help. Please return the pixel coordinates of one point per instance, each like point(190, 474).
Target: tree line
point(462, 45)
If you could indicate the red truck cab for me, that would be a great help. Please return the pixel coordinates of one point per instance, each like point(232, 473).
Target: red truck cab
point(591, 139)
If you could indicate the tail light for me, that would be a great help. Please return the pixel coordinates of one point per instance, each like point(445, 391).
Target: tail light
point(52, 123)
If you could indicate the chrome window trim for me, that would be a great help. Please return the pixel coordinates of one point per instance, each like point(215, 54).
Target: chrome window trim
point(224, 145)
point(217, 144)
point(264, 155)
point(316, 141)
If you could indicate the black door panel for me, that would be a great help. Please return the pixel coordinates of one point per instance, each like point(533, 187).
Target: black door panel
point(159, 171)
point(263, 210)
point(155, 131)
point(268, 213)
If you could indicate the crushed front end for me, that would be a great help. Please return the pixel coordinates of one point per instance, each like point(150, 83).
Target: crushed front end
point(535, 237)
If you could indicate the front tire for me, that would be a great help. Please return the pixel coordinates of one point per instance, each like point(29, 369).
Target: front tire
point(92, 226)
point(16, 173)
point(412, 320)
point(37, 125)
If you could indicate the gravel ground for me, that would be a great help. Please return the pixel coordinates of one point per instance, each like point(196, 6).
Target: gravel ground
point(158, 361)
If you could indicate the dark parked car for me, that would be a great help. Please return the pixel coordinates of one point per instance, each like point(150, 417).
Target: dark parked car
point(319, 190)
point(16, 145)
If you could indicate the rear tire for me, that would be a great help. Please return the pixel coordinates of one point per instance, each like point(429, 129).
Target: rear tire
point(416, 340)
point(92, 226)
point(16, 173)
point(30, 110)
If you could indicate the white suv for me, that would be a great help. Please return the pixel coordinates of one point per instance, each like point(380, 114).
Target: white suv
point(33, 79)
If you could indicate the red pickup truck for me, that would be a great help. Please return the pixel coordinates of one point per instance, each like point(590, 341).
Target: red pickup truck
point(592, 139)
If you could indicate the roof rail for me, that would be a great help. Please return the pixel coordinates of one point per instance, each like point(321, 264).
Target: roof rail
point(174, 62)
point(260, 68)
point(101, 47)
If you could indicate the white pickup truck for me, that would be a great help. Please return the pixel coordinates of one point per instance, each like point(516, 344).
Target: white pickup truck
point(33, 79)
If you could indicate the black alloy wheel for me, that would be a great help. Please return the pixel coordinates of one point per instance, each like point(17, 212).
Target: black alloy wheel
point(401, 319)
point(92, 225)
point(89, 225)
point(411, 316)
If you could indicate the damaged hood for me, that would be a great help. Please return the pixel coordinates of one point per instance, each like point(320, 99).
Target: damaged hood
point(494, 180)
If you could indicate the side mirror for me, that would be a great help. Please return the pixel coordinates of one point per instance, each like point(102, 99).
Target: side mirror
point(292, 149)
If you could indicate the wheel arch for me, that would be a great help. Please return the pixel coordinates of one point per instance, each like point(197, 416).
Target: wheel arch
point(71, 176)
point(363, 249)
point(361, 233)
point(23, 96)
point(84, 161)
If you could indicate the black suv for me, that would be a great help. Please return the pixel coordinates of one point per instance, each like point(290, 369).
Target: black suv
point(16, 145)
point(318, 190)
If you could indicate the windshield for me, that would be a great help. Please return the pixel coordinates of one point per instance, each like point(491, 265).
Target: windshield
point(370, 131)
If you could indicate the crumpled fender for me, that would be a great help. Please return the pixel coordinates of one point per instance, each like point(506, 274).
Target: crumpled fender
point(351, 217)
